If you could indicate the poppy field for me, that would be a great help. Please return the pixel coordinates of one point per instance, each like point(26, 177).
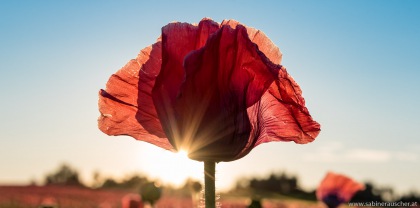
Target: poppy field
point(62, 188)
point(55, 196)
point(69, 197)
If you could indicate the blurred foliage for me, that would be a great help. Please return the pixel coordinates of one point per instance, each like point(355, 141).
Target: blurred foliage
point(193, 186)
point(151, 192)
point(277, 185)
point(383, 194)
point(133, 183)
point(64, 175)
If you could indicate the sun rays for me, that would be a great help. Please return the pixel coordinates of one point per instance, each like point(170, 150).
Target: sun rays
point(171, 168)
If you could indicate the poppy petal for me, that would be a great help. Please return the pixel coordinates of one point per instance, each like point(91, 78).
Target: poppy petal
point(126, 105)
point(341, 186)
point(222, 79)
point(178, 39)
point(282, 115)
point(265, 45)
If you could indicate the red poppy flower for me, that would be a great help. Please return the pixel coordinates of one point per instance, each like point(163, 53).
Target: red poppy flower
point(336, 189)
point(215, 90)
point(132, 201)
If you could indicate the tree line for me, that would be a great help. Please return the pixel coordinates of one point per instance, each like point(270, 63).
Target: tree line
point(275, 185)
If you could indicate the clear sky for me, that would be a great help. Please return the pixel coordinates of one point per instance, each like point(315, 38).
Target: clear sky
point(357, 62)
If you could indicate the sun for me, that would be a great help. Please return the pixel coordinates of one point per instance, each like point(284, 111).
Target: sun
point(183, 168)
point(171, 167)
point(182, 155)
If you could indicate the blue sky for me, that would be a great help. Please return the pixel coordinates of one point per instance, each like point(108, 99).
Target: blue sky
point(357, 63)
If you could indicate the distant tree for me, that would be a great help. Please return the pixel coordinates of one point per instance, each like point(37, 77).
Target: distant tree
point(133, 183)
point(384, 194)
point(280, 183)
point(64, 175)
point(370, 193)
point(110, 183)
point(410, 197)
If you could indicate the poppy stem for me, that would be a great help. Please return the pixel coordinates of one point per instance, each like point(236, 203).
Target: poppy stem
point(209, 184)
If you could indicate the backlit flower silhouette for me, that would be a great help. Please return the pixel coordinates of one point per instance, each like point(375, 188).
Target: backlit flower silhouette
point(214, 90)
point(336, 189)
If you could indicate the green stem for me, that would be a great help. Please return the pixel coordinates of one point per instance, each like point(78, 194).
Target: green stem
point(209, 184)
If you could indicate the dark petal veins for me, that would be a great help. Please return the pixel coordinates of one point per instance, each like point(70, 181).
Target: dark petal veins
point(282, 115)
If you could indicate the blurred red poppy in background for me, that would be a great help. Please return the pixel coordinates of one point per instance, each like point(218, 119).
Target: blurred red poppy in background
point(336, 189)
point(213, 90)
point(132, 201)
